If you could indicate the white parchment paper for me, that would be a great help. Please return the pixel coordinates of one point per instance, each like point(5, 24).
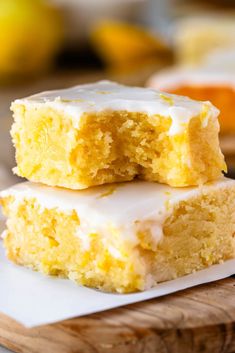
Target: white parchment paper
point(34, 299)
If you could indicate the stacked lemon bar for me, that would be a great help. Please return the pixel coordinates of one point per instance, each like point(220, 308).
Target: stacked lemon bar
point(126, 187)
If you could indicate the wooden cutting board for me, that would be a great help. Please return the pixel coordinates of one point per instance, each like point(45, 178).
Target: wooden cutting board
point(200, 319)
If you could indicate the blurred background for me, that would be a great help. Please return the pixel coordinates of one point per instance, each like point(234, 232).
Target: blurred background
point(180, 46)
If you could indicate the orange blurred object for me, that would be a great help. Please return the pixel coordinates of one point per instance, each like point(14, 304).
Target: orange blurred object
point(223, 97)
point(123, 45)
point(217, 87)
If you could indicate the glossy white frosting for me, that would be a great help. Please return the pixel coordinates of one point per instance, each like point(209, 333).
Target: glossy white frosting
point(176, 77)
point(124, 208)
point(106, 95)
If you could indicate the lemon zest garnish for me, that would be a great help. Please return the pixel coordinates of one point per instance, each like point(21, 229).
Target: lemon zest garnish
point(92, 235)
point(204, 115)
point(63, 100)
point(110, 191)
point(103, 92)
point(167, 99)
point(167, 204)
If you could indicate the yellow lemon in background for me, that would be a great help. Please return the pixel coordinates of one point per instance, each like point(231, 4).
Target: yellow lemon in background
point(125, 44)
point(30, 35)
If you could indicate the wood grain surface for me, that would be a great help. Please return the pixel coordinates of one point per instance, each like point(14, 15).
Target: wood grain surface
point(200, 319)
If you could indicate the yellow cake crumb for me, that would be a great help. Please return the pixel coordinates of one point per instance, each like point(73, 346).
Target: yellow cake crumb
point(112, 147)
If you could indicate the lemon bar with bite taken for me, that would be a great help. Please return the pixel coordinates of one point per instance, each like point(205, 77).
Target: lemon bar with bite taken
point(106, 132)
point(123, 237)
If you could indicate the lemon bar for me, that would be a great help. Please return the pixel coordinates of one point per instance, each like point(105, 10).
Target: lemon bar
point(217, 86)
point(105, 132)
point(124, 237)
point(197, 37)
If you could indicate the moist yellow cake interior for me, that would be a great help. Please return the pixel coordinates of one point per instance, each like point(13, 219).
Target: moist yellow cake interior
point(113, 146)
point(199, 232)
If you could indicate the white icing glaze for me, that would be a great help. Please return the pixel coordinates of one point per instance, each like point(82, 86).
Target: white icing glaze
point(106, 95)
point(174, 78)
point(131, 207)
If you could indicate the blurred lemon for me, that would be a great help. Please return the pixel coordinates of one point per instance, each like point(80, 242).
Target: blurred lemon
point(123, 44)
point(30, 34)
